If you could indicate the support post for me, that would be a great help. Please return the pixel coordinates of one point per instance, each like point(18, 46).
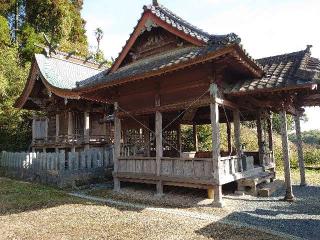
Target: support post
point(117, 143)
point(195, 137)
point(33, 129)
point(70, 126)
point(260, 137)
point(237, 134)
point(86, 130)
point(159, 150)
point(300, 151)
point(286, 161)
point(229, 138)
point(214, 116)
point(57, 127)
point(46, 130)
point(179, 140)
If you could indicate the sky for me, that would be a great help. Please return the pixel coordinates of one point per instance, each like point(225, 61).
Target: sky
point(266, 27)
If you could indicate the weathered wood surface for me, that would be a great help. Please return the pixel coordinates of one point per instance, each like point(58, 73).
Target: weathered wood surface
point(72, 161)
point(300, 151)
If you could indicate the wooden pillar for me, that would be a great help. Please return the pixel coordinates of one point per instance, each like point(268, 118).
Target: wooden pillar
point(214, 116)
point(33, 129)
point(57, 126)
point(237, 134)
point(260, 137)
point(70, 126)
point(195, 137)
point(179, 139)
point(270, 133)
point(86, 130)
point(229, 138)
point(159, 150)
point(286, 161)
point(300, 151)
point(117, 147)
point(46, 129)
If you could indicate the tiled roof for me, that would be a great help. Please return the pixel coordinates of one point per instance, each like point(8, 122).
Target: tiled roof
point(177, 22)
point(63, 74)
point(162, 61)
point(282, 71)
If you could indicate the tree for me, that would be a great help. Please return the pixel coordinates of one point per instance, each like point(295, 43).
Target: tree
point(99, 36)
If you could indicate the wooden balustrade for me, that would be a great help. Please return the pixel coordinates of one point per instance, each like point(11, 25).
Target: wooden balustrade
point(70, 139)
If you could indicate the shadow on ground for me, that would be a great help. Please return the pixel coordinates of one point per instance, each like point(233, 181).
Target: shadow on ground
point(300, 218)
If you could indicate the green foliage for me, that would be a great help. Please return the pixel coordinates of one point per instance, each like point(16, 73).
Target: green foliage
point(61, 21)
point(311, 137)
point(4, 32)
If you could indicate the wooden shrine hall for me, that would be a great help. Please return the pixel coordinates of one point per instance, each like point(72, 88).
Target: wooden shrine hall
point(170, 73)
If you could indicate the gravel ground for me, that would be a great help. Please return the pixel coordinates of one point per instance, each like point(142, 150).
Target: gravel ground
point(81, 221)
point(33, 211)
point(300, 218)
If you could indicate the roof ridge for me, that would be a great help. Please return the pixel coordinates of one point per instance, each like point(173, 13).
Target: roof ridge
point(282, 55)
point(63, 56)
point(181, 20)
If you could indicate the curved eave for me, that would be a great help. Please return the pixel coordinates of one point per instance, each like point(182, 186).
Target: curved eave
point(233, 49)
point(32, 78)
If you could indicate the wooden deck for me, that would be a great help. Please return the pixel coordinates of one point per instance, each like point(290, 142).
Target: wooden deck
point(188, 172)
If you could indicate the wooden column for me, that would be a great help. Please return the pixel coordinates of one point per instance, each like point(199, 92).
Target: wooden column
point(300, 151)
point(86, 130)
point(237, 134)
point(270, 132)
point(117, 146)
point(159, 150)
point(195, 137)
point(33, 129)
point(286, 161)
point(214, 116)
point(57, 126)
point(70, 126)
point(260, 138)
point(229, 137)
point(179, 139)
point(46, 129)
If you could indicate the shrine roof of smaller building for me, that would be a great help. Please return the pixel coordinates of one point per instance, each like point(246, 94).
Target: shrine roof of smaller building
point(63, 73)
point(289, 70)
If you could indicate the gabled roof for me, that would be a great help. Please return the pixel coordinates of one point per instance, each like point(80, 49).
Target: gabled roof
point(59, 74)
point(172, 60)
point(62, 73)
point(290, 70)
point(159, 15)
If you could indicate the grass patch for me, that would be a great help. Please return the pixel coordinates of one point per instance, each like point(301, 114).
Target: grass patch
point(312, 176)
point(17, 196)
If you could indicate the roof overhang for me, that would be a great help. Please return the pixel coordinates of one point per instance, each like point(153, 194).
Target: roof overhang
point(233, 49)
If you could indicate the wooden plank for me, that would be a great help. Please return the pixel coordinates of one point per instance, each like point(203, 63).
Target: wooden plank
point(300, 151)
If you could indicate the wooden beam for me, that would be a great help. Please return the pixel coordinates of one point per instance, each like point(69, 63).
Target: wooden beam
point(285, 151)
point(300, 151)
point(226, 103)
point(159, 150)
point(70, 125)
point(57, 126)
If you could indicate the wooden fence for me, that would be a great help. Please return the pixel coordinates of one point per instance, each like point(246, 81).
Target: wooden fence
point(59, 167)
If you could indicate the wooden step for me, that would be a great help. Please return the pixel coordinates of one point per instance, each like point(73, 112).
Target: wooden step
point(268, 189)
point(254, 181)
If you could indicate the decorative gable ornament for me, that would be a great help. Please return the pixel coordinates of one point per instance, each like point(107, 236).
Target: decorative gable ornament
point(149, 25)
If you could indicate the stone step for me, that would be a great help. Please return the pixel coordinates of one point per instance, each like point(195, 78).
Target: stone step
point(266, 190)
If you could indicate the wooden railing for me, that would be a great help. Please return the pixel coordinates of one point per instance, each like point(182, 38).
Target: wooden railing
point(139, 165)
point(191, 168)
point(70, 139)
